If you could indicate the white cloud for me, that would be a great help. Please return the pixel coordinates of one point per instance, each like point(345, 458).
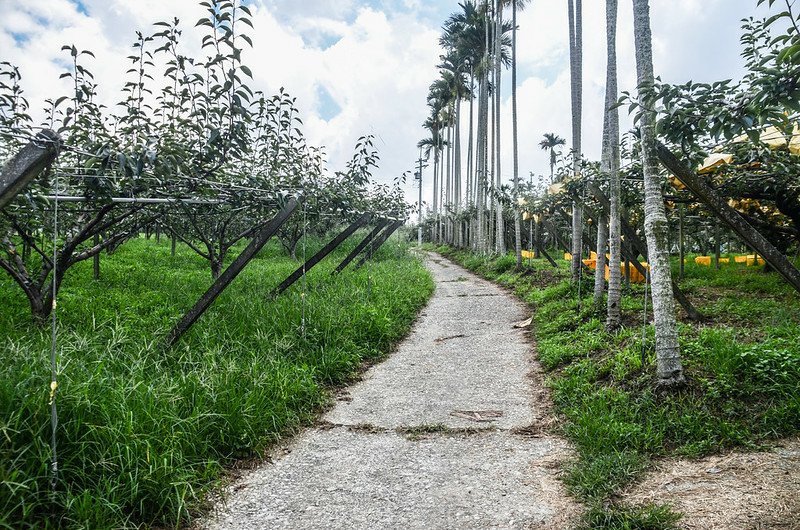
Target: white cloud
point(377, 58)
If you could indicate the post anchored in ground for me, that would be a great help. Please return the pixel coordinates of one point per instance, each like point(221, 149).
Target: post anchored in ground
point(636, 247)
point(729, 216)
point(319, 256)
point(231, 272)
point(23, 167)
point(379, 241)
point(362, 245)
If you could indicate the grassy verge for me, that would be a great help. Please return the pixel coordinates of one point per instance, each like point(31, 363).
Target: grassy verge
point(145, 432)
point(743, 366)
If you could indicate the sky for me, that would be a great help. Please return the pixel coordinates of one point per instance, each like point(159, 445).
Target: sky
point(362, 67)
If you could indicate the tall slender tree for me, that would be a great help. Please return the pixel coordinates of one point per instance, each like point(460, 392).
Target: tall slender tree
point(613, 315)
point(515, 6)
point(668, 359)
point(500, 239)
point(469, 38)
point(575, 16)
point(550, 142)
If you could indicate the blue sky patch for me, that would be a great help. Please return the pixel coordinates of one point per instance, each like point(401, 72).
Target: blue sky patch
point(320, 39)
point(327, 108)
point(20, 38)
point(81, 7)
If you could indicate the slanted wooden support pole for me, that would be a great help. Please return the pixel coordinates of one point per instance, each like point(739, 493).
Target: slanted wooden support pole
point(378, 242)
point(729, 216)
point(231, 272)
point(640, 247)
point(587, 241)
point(546, 255)
point(324, 251)
point(361, 246)
point(536, 243)
point(551, 226)
point(96, 259)
point(27, 164)
point(681, 241)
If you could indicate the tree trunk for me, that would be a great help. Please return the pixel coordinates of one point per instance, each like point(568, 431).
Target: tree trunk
point(517, 219)
point(457, 174)
point(470, 140)
point(600, 268)
point(574, 9)
point(500, 239)
point(480, 192)
point(669, 368)
point(216, 266)
point(613, 315)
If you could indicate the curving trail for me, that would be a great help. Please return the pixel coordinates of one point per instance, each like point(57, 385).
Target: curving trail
point(443, 434)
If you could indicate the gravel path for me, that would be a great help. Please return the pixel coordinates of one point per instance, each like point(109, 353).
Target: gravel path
point(443, 434)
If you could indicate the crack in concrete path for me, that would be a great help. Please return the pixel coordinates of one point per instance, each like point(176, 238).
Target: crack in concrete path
point(443, 434)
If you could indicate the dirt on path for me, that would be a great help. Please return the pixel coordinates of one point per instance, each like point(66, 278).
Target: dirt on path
point(446, 433)
point(735, 491)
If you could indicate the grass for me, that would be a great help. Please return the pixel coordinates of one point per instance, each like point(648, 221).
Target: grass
point(145, 432)
point(742, 363)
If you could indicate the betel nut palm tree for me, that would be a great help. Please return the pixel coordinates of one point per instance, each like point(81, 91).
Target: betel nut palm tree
point(668, 360)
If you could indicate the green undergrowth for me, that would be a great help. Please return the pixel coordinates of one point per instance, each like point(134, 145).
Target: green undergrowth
point(742, 364)
point(145, 432)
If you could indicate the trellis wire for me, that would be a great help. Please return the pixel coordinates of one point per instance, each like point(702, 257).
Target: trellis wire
point(53, 354)
point(303, 288)
point(580, 261)
point(644, 317)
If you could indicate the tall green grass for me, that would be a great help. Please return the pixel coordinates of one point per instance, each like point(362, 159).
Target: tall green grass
point(145, 432)
point(743, 366)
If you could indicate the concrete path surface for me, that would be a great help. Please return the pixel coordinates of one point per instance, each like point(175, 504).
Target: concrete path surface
point(443, 434)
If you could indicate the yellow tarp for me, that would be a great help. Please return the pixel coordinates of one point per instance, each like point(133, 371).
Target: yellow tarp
point(635, 276)
point(527, 254)
point(775, 139)
point(677, 184)
point(713, 161)
point(567, 256)
point(740, 259)
point(755, 260)
point(708, 260)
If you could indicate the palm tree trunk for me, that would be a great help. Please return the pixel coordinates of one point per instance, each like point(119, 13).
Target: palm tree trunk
point(434, 236)
point(449, 183)
point(457, 170)
point(517, 220)
point(470, 150)
point(669, 368)
point(576, 72)
point(481, 163)
point(500, 239)
point(613, 315)
point(600, 264)
point(491, 137)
